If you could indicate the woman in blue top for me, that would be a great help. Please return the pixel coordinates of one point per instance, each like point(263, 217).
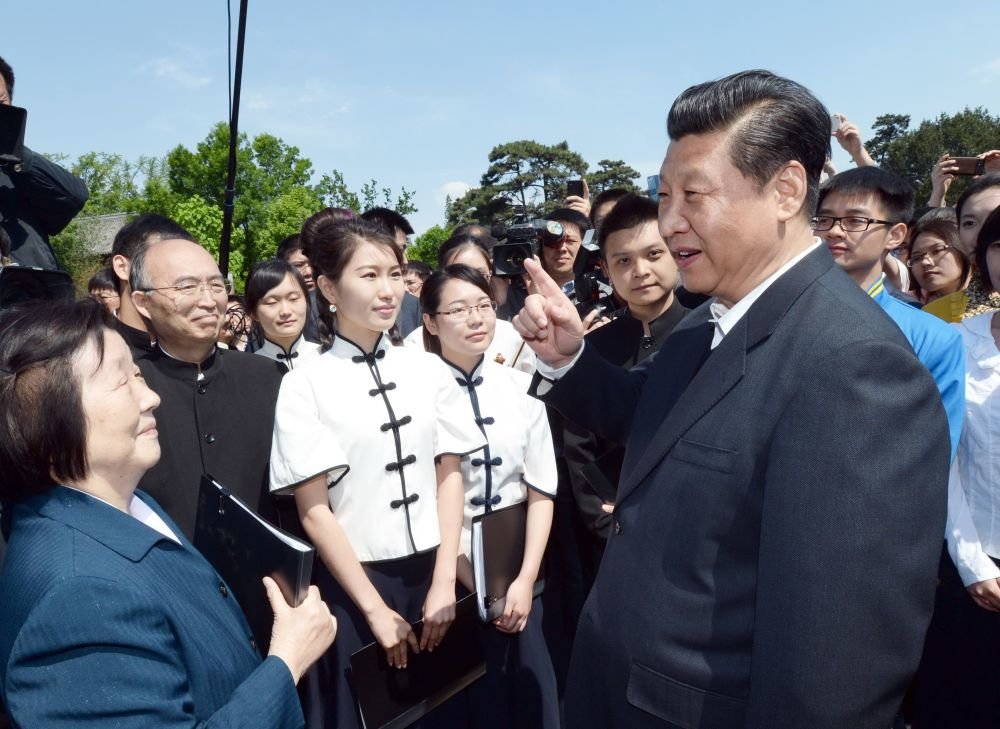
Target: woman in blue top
point(108, 615)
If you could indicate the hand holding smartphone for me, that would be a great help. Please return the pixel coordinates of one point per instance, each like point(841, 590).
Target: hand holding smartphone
point(968, 166)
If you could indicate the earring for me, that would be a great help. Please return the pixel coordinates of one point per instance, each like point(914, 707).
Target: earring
point(333, 308)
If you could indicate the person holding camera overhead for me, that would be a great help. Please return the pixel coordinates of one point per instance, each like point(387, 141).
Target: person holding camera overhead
point(38, 198)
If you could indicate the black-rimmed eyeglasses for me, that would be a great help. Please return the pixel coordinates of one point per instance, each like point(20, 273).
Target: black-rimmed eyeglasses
point(848, 223)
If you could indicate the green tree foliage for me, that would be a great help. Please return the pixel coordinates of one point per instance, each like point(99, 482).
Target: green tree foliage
point(114, 186)
point(283, 216)
point(334, 192)
point(887, 128)
point(612, 173)
point(274, 195)
point(204, 221)
point(266, 169)
point(523, 173)
point(913, 153)
point(425, 247)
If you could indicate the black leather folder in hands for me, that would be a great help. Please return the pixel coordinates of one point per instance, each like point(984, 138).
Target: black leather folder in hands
point(497, 554)
point(393, 698)
point(244, 548)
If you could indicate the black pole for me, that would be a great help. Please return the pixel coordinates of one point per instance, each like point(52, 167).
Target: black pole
point(234, 122)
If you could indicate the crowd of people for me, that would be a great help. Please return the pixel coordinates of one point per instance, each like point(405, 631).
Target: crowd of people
point(758, 461)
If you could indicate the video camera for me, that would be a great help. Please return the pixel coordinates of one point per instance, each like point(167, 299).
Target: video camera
point(521, 240)
point(592, 288)
point(12, 123)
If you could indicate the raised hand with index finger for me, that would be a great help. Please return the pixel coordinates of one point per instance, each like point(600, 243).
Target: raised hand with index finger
point(549, 322)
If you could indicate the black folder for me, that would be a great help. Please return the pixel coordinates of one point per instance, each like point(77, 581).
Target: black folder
point(497, 554)
point(393, 698)
point(244, 548)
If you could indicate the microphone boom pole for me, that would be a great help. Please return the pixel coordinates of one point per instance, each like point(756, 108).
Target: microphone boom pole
point(234, 120)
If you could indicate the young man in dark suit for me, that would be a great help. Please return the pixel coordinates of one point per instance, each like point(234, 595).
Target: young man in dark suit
point(774, 546)
point(644, 275)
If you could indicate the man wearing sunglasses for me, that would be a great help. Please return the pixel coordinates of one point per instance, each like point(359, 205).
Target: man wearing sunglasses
point(861, 216)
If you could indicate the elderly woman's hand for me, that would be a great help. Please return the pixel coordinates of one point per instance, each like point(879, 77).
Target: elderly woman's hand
point(302, 634)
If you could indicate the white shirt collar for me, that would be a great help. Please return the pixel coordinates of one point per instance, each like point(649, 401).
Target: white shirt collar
point(138, 509)
point(300, 349)
point(725, 318)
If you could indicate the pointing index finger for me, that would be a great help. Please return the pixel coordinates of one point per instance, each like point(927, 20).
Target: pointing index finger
point(543, 282)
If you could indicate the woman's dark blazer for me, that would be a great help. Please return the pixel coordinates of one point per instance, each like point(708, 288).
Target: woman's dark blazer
point(104, 622)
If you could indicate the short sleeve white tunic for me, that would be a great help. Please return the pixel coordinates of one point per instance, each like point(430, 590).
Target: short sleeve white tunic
point(373, 423)
point(518, 454)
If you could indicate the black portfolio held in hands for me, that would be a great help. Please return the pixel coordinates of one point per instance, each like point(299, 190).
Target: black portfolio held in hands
point(244, 548)
point(497, 554)
point(393, 698)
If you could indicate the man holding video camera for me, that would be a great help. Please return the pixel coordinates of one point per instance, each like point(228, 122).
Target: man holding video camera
point(38, 198)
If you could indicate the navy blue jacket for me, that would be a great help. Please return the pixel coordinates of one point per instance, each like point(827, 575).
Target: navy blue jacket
point(774, 547)
point(106, 623)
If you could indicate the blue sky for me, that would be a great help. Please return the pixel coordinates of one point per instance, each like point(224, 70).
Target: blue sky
point(417, 93)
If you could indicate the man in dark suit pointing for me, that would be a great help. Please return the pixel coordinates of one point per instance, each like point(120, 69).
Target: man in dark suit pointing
point(780, 514)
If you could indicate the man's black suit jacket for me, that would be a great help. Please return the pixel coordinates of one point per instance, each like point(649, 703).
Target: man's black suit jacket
point(774, 547)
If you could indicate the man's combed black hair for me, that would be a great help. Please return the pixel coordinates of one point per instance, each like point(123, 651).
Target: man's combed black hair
point(389, 219)
point(772, 121)
point(892, 192)
point(629, 212)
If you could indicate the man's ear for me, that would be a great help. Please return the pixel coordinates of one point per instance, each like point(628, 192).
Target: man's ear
point(897, 234)
point(430, 324)
point(121, 266)
point(791, 186)
point(140, 300)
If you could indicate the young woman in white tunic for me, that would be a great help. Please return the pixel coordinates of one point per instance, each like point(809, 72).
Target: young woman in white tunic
point(517, 465)
point(278, 302)
point(507, 348)
point(368, 437)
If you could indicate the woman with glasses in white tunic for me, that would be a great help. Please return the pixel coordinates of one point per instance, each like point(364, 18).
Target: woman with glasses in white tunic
point(517, 465)
point(368, 437)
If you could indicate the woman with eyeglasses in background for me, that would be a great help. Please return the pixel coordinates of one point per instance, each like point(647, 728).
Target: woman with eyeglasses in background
point(506, 347)
point(517, 465)
point(935, 259)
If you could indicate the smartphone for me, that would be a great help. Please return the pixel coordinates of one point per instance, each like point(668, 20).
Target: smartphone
point(969, 165)
point(574, 187)
point(834, 123)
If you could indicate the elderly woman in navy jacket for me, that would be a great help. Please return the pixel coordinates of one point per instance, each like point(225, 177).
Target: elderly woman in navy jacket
point(108, 615)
